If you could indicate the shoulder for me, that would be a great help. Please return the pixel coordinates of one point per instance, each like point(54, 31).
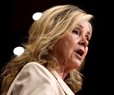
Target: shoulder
point(30, 80)
point(34, 68)
point(33, 64)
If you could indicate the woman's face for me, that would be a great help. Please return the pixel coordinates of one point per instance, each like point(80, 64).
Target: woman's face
point(71, 50)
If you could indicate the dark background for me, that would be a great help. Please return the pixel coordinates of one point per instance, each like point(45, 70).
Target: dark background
point(16, 18)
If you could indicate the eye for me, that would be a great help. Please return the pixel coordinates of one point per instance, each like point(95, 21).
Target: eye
point(88, 38)
point(76, 32)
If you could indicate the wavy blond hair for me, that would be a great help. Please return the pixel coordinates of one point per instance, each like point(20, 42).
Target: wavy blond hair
point(44, 33)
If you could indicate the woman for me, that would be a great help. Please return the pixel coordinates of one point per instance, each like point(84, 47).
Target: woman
point(55, 50)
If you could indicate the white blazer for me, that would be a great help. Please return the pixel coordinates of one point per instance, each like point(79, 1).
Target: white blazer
point(34, 79)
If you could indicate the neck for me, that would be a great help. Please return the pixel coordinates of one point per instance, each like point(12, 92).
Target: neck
point(60, 71)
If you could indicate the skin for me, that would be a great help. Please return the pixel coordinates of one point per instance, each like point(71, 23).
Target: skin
point(70, 51)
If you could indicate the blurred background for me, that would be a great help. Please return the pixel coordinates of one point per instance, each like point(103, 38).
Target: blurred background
point(16, 18)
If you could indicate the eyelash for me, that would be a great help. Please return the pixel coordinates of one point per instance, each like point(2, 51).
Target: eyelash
point(76, 32)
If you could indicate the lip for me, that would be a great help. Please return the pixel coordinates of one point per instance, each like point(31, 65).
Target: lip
point(78, 56)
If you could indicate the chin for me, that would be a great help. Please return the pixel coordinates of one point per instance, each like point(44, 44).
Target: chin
point(77, 64)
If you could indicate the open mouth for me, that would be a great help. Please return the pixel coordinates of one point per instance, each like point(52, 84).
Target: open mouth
point(79, 52)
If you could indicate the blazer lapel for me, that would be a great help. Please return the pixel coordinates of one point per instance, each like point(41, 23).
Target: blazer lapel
point(63, 85)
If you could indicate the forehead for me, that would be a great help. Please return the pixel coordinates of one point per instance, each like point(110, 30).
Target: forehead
point(84, 24)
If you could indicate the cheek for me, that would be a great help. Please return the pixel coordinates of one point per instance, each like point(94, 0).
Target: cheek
point(63, 48)
point(68, 44)
point(67, 48)
point(86, 51)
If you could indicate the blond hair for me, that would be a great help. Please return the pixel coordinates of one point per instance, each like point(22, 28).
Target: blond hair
point(44, 33)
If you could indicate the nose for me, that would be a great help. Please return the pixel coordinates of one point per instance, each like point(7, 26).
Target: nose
point(83, 41)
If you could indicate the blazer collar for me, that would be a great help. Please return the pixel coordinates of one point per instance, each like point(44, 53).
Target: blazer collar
point(64, 86)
